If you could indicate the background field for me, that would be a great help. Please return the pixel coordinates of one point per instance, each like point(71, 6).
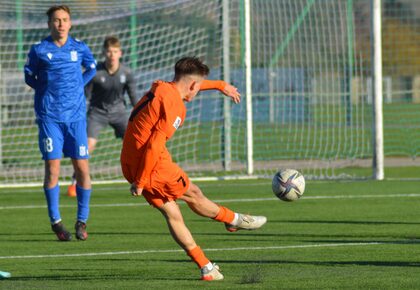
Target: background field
point(340, 235)
point(311, 65)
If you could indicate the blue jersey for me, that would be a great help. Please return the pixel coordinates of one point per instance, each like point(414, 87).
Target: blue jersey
point(55, 73)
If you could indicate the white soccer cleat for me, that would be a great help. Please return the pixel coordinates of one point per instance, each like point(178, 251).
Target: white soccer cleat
point(247, 222)
point(5, 275)
point(211, 275)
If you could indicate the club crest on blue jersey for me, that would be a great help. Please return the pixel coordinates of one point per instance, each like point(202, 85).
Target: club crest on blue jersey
point(73, 55)
point(49, 55)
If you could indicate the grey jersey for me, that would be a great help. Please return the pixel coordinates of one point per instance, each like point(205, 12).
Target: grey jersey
point(106, 91)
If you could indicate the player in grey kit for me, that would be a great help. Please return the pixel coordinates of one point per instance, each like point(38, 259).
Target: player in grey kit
point(106, 95)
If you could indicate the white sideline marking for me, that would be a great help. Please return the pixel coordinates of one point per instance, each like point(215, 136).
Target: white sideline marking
point(205, 250)
point(226, 200)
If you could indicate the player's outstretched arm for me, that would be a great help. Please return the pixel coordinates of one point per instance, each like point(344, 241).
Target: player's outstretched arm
point(227, 89)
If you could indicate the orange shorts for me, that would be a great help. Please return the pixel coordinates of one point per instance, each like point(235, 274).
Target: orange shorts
point(168, 181)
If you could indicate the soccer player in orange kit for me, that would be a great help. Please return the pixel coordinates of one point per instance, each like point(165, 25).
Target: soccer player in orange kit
point(148, 166)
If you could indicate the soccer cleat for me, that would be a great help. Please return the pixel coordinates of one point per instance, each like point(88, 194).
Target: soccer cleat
point(71, 190)
point(211, 275)
point(247, 222)
point(61, 232)
point(81, 233)
point(5, 275)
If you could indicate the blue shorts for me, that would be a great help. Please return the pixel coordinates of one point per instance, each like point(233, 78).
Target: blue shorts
point(58, 138)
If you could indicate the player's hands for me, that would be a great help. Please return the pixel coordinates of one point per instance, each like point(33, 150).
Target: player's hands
point(135, 191)
point(232, 92)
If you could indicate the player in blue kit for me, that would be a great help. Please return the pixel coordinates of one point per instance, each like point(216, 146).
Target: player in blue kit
point(54, 70)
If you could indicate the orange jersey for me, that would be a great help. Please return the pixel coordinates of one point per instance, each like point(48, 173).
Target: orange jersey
point(162, 109)
point(153, 121)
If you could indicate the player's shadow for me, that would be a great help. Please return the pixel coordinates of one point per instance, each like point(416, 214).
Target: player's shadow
point(312, 221)
point(408, 241)
point(145, 277)
point(328, 263)
point(246, 236)
point(50, 237)
point(349, 222)
point(96, 233)
point(31, 237)
point(98, 274)
point(316, 263)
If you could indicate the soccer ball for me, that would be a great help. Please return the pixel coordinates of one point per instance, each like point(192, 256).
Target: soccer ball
point(288, 184)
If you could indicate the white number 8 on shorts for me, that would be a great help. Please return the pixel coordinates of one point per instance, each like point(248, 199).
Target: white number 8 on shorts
point(48, 144)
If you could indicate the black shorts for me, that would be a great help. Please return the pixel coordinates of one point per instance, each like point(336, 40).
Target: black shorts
point(98, 119)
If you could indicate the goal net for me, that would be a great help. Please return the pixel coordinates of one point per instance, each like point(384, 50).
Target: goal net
point(312, 106)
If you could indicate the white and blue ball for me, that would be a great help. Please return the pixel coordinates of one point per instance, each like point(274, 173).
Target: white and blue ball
point(288, 184)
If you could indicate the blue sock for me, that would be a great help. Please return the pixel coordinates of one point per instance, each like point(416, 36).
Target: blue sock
point(83, 199)
point(53, 197)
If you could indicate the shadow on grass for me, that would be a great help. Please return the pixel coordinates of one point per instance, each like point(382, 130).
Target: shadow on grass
point(102, 277)
point(327, 263)
point(345, 222)
point(96, 233)
point(261, 236)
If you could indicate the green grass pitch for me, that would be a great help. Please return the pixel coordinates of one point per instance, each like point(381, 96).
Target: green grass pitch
point(340, 235)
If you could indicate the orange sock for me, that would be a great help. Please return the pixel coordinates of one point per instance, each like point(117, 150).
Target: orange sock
point(197, 255)
point(225, 215)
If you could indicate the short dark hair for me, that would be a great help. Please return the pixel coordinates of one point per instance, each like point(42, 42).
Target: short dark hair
point(54, 8)
point(190, 65)
point(111, 41)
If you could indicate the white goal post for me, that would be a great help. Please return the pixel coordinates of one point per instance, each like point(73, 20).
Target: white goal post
point(378, 155)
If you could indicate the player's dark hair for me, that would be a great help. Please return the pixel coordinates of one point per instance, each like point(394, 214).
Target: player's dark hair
point(190, 66)
point(111, 41)
point(54, 8)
